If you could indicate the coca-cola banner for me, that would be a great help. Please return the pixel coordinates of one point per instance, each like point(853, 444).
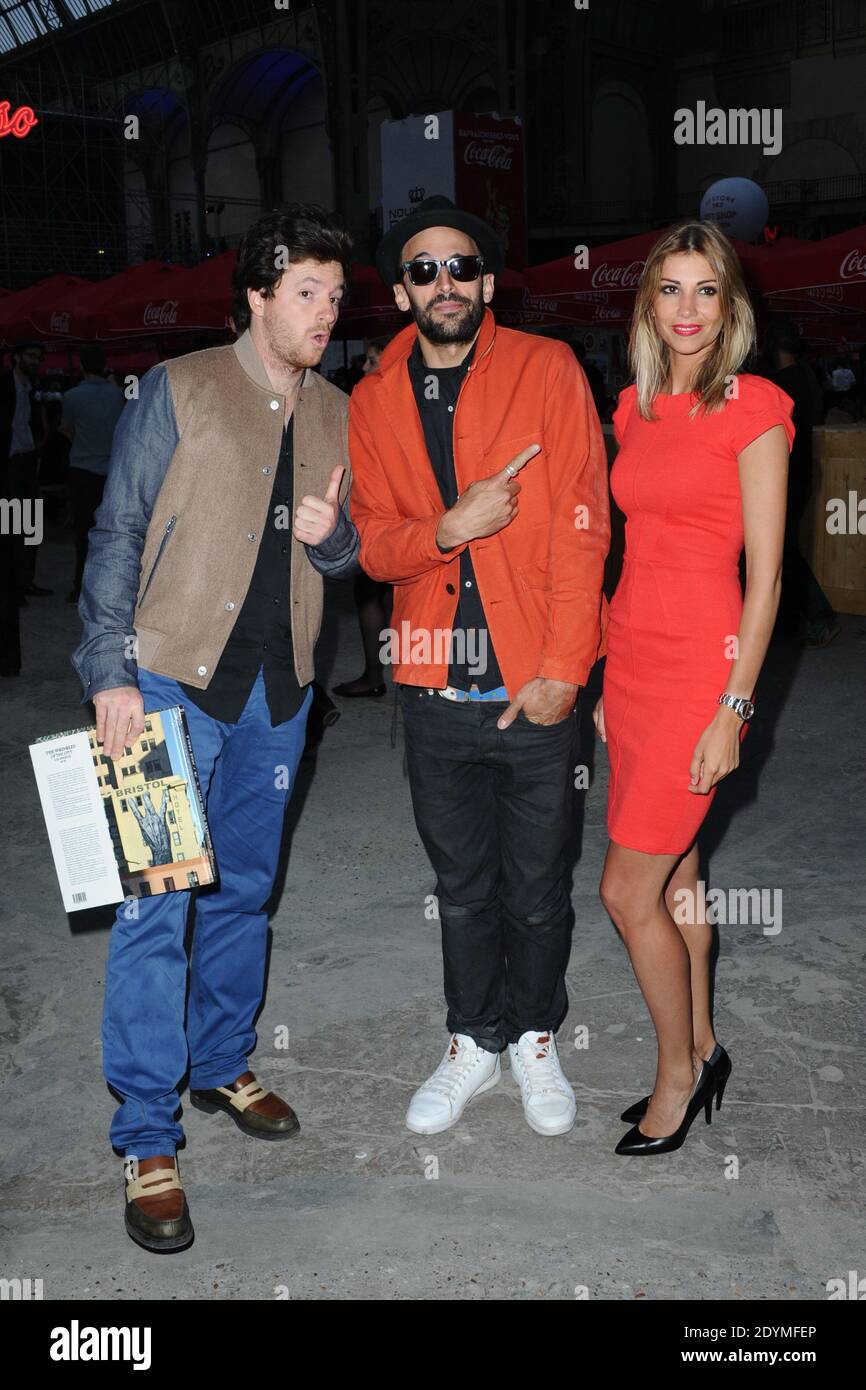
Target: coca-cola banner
point(477, 161)
point(488, 164)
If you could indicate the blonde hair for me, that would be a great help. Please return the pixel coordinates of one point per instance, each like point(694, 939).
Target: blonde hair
point(649, 355)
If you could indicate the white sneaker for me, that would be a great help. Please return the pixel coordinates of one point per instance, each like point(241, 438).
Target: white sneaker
point(548, 1100)
point(465, 1071)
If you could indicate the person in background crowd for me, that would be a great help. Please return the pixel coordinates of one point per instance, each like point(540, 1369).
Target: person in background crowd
point(594, 377)
point(347, 378)
point(844, 410)
point(373, 349)
point(842, 377)
point(839, 381)
point(10, 634)
point(804, 609)
point(860, 372)
point(22, 433)
point(90, 413)
point(370, 594)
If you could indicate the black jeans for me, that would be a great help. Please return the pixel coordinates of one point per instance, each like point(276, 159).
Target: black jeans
point(493, 810)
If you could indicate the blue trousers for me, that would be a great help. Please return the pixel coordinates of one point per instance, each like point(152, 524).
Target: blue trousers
point(246, 772)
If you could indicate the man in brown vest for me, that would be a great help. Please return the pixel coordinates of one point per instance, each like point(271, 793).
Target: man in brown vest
point(226, 502)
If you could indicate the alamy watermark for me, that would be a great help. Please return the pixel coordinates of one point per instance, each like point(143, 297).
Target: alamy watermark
point(434, 647)
point(729, 907)
point(22, 517)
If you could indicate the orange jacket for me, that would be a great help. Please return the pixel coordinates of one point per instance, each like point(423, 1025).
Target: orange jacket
point(540, 577)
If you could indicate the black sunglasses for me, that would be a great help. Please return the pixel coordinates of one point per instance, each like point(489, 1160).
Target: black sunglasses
point(425, 271)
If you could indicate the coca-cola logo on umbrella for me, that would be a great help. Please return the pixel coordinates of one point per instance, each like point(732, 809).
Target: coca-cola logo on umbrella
point(490, 155)
point(620, 277)
point(156, 315)
point(535, 301)
point(59, 322)
point(853, 266)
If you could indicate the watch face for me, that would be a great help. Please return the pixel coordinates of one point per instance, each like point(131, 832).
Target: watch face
point(747, 709)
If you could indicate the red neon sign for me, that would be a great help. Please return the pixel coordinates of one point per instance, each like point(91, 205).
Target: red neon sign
point(19, 124)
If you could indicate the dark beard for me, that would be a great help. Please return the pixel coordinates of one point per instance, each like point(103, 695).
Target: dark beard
point(458, 330)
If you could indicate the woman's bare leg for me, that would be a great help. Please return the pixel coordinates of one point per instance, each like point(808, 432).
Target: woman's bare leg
point(698, 937)
point(632, 890)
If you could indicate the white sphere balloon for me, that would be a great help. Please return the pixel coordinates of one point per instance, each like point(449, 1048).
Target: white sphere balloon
point(738, 205)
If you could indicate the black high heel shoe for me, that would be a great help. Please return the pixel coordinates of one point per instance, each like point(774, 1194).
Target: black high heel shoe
point(721, 1065)
point(636, 1143)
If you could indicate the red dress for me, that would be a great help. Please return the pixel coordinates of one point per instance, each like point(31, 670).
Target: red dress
point(678, 603)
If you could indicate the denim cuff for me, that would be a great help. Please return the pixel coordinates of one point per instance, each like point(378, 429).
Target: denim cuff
point(106, 672)
point(338, 545)
point(337, 557)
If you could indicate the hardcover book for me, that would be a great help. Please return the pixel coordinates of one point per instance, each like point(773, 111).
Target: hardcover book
point(126, 827)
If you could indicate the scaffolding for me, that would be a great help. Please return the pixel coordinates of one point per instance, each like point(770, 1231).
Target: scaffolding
point(77, 195)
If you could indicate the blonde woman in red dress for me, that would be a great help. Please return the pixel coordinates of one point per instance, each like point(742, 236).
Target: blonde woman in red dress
point(701, 473)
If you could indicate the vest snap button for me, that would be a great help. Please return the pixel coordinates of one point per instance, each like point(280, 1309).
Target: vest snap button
point(275, 405)
point(229, 607)
point(201, 671)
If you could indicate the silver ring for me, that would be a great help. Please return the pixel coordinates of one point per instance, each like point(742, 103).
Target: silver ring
point(510, 469)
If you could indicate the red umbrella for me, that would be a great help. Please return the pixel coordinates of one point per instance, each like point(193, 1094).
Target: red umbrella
point(73, 311)
point(825, 278)
point(514, 304)
point(16, 310)
point(205, 295)
point(147, 302)
point(602, 293)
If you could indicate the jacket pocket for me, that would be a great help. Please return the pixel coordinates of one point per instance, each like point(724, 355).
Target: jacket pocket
point(502, 451)
point(148, 642)
point(533, 576)
point(169, 527)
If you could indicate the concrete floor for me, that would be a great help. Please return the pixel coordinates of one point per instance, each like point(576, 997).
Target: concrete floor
point(346, 1211)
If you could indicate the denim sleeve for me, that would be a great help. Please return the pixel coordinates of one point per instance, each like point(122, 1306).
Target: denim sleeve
point(145, 439)
point(337, 557)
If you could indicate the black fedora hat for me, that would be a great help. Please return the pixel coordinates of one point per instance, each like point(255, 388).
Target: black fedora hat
point(437, 211)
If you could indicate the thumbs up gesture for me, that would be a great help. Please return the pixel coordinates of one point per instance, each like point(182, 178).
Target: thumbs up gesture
point(316, 517)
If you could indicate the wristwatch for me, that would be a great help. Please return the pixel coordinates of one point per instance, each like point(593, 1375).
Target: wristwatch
point(744, 708)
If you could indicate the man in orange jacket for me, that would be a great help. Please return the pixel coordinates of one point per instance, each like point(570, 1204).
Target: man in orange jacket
point(498, 619)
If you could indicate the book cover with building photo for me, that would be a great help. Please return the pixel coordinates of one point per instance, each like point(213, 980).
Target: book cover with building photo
point(124, 827)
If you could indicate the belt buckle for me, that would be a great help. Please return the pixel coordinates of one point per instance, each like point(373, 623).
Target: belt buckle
point(449, 692)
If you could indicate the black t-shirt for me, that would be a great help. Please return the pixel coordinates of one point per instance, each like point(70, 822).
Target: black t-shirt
point(262, 634)
point(472, 644)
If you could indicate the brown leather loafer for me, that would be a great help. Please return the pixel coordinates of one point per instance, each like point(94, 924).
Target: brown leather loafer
point(255, 1111)
point(157, 1216)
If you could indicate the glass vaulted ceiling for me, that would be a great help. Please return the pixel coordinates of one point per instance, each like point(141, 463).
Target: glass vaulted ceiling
point(24, 21)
